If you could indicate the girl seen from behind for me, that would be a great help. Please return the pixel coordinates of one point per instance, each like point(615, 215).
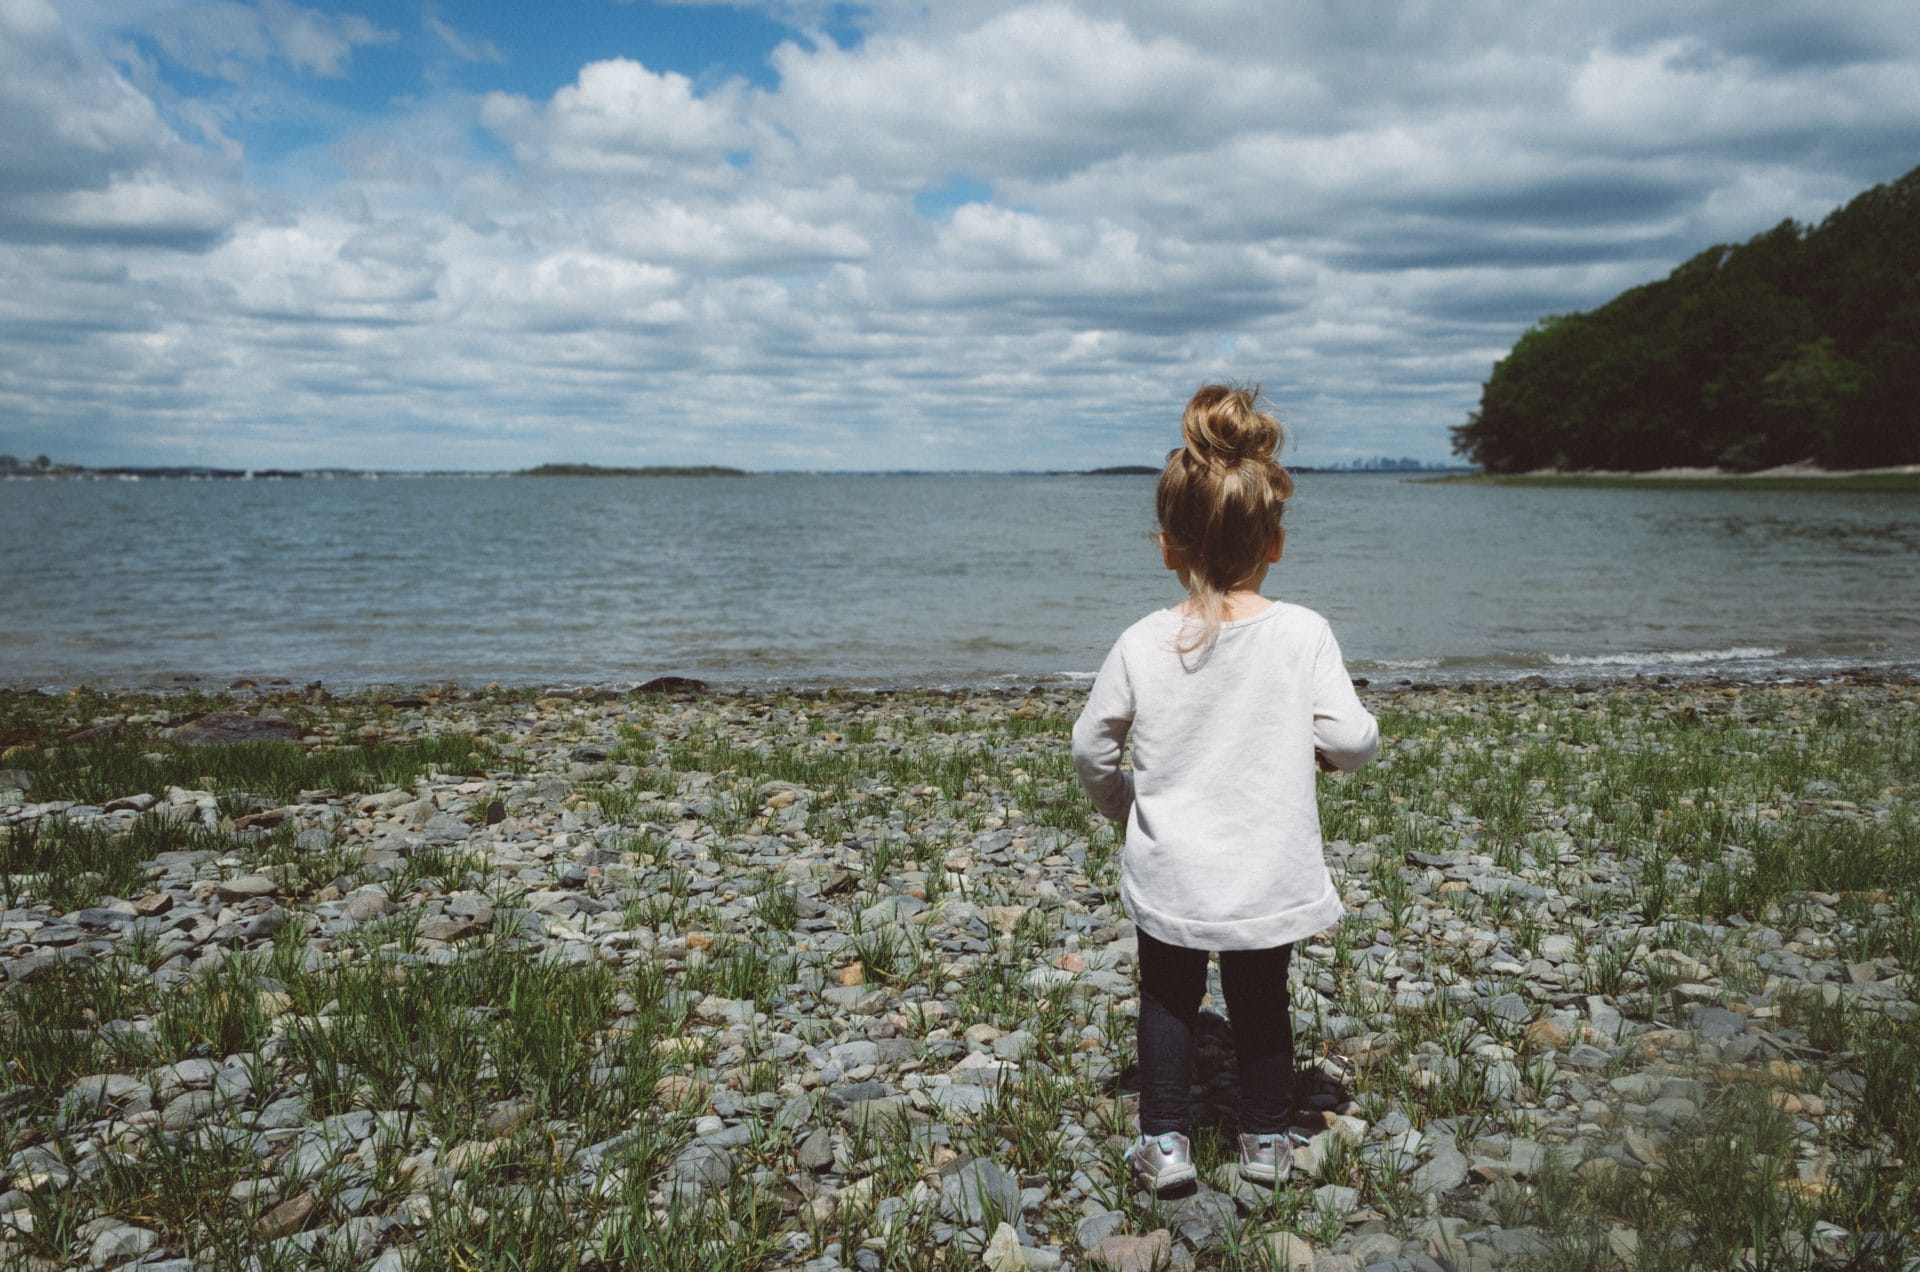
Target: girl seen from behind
point(1230, 700)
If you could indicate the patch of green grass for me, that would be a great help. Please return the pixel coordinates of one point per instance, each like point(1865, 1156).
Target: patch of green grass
point(440, 868)
point(739, 970)
point(777, 904)
point(69, 866)
point(50, 1025)
point(305, 867)
point(461, 1036)
point(217, 1013)
point(122, 765)
point(1719, 1200)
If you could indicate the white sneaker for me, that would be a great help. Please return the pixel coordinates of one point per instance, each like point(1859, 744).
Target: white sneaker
point(1161, 1161)
point(1266, 1159)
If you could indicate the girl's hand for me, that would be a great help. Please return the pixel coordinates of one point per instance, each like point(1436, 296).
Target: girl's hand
point(1326, 765)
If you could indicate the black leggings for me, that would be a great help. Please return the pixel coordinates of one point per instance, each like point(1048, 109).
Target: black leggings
point(1172, 979)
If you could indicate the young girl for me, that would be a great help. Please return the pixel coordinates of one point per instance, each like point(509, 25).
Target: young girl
point(1230, 700)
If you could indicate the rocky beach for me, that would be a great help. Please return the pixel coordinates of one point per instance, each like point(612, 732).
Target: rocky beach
point(495, 978)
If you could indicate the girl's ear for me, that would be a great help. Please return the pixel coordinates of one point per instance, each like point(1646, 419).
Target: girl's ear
point(1168, 555)
point(1279, 545)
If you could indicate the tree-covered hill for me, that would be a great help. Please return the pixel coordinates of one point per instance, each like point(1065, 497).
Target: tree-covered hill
point(1801, 344)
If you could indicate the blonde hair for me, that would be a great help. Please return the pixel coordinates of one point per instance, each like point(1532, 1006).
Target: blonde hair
point(1220, 498)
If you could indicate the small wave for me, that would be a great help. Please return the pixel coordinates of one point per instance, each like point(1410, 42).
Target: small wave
point(1399, 664)
point(1679, 657)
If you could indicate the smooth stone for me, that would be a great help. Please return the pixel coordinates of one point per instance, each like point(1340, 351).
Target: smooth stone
point(1670, 1109)
point(1336, 1199)
point(510, 1117)
point(1604, 1017)
point(445, 828)
point(107, 1088)
point(288, 1217)
point(1122, 1253)
point(467, 1154)
point(227, 727)
point(1511, 1008)
point(1643, 1148)
point(188, 1075)
point(448, 928)
point(1290, 1252)
point(1375, 1247)
point(189, 1109)
point(367, 904)
point(961, 1098)
point(1445, 1171)
point(816, 1150)
point(1206, 1219)
point(699, 1167)
point(1515, 1244)
point(849, 1094)
point(117, 1241)
point(1003, 1250)
point(1527, 1157)
point(976, 1188)
point(1714, 1023)
point(1639, 1087)
point(245, 888)
point(1094, 1229)
point(1558, 948)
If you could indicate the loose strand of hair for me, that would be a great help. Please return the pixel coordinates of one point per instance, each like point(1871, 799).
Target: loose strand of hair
point(1212, 604)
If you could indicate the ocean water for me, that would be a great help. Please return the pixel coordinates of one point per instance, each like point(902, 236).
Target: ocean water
point(933, 580)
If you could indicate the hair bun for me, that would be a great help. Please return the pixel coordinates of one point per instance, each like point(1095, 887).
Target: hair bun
point(1224, 426)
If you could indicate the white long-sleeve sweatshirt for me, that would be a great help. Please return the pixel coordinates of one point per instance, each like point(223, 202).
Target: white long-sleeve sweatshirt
point(1223, 831)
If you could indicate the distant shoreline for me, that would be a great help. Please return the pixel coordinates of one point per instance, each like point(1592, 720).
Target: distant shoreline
point(647, 470)
point(75, 472)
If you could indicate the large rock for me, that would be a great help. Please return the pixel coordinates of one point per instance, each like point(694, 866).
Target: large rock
point(223, 728)
point(977, 1189)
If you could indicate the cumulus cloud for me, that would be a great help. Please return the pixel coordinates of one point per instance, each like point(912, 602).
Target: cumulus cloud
point(86, 156)
point(1027, 93)
point(1004, 233)
point(325, 269)
point(235, 41)
point(619, 118)
point(749, 232)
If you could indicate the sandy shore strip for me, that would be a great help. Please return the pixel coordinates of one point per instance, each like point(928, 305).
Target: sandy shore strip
point(839, 980)
point(1729, 474)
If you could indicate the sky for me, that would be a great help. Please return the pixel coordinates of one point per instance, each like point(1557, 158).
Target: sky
point(800, 234)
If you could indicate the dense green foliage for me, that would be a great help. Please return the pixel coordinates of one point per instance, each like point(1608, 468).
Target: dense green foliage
point(1801, 344)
